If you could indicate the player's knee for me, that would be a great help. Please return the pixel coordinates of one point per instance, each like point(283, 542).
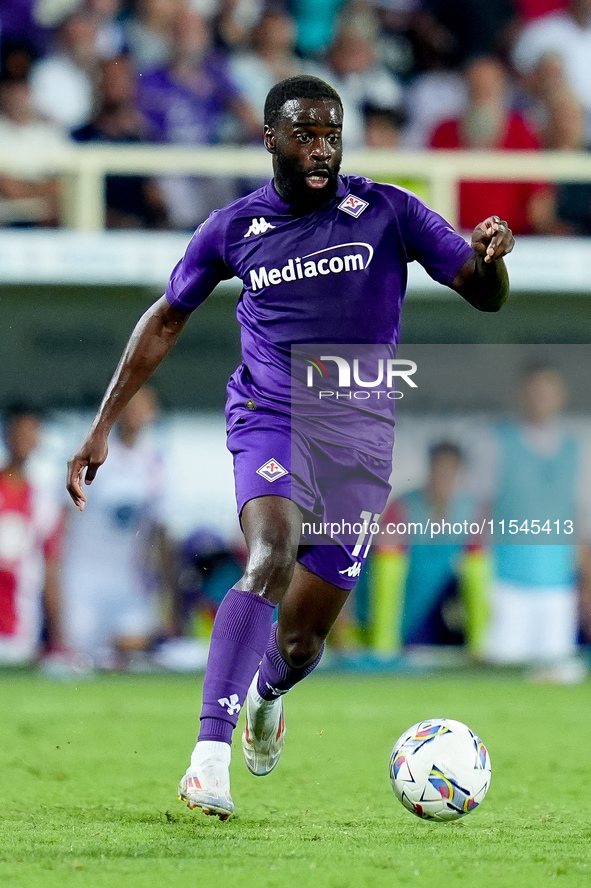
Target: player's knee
point(300, 649)
point(271, 565)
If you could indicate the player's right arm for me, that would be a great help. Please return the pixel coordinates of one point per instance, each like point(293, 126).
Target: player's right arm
point(153, 337)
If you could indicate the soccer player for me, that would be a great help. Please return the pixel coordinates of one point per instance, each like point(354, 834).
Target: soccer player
point(30, 541)
point(536, 471)
point(109, 579)
point(322, 258)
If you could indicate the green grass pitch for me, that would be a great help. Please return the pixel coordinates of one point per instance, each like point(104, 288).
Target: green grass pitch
point(88, 776)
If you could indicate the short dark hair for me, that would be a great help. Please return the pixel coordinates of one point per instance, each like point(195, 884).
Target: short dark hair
point(19, 407)
point(17, 410)
point(445, 448)
point(303, 87)
point(533, 368)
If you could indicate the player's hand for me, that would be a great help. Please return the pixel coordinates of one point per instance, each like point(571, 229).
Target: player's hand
point(90, 456)
point(492, 239)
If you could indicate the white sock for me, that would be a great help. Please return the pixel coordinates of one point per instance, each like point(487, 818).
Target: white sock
point(208, 749)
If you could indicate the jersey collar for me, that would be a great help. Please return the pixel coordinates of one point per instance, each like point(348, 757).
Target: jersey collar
point(283, 208)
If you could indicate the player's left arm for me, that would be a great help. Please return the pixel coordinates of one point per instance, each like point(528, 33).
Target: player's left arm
point(483, 280)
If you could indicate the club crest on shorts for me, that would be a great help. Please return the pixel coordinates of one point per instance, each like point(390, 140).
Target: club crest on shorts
point(272, 470)
point(353, 206)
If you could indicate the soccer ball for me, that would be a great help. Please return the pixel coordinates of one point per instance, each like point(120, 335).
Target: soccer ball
point(440, 769)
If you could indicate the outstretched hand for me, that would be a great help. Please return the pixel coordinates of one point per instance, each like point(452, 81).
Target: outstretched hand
point(90, 456)
point(492, 239)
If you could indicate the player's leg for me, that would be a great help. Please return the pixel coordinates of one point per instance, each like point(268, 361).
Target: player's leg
point(272, 527)
point(307, 613)
point(511, 636)
point(326, 572)
point(556, 660)
point(89, 617)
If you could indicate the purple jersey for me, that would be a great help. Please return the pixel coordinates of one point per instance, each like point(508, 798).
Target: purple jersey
point(335, 275)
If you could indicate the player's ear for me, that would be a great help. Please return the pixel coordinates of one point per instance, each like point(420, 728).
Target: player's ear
point(269, 138)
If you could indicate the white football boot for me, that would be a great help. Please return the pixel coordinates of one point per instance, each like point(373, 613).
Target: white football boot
point(264, 731)
point(206, 784)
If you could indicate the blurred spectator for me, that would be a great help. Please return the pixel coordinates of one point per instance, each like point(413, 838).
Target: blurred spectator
point(536, 475)
point(489, 123)
point(16, 58)
point(572, 205)
point(384, 131)
point(463, 30)
point(188, 102)
point(19, 21)
point(528, 10)
point(382, 128)
point(30, 531)
point(360, 79)
point(567, 210)
point(316, 22)
point(30, 195)
point(234, 20)
point(397, 39)
point(431, 98)
point(63, 81)
point(270, 58)
point(194, 101)
point(208, 566)
point(423, 592)
point(115, 551)
point(446, 37)
point(131, 201)
point(150, 32)
point(566, 35)
point(110, 33)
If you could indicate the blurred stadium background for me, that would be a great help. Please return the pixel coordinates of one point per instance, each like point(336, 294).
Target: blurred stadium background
point(122, 124)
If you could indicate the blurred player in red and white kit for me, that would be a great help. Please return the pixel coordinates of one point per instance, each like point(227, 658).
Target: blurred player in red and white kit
point(30, 531)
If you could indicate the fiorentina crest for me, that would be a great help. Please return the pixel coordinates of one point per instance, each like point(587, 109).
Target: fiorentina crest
point(272, 470)
point(353, 206)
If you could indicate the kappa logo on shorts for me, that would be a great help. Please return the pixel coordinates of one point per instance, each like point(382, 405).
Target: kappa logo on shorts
point(353, 206)
point(272, 470)
point(353, 571)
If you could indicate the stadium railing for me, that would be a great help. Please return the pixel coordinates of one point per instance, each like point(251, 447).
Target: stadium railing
point(84, 167)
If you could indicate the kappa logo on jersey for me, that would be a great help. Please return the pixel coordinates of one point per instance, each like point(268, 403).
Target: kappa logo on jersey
point(259, 226)
point(353, 206)
point(353, 571)
point(272, 470)
point(340, 258)
point(232, 706)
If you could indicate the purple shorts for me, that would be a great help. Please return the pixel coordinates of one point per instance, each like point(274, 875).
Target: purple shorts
point(341, 493)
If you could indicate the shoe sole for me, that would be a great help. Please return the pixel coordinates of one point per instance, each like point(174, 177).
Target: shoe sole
point(210, 806)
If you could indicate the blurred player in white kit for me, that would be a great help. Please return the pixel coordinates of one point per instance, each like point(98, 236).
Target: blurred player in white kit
point(111, 557)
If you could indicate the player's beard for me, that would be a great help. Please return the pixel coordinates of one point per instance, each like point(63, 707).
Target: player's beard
point(290, 181)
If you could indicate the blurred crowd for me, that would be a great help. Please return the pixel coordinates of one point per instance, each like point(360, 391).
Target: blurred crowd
point(413, 74)
point(112, 588)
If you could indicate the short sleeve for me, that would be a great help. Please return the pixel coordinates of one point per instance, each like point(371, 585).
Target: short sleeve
point(433, 242)
point(201, 268)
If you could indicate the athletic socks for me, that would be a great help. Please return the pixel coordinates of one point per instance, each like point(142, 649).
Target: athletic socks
point(276, 676)
point(209, 749)
point(238, 640)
